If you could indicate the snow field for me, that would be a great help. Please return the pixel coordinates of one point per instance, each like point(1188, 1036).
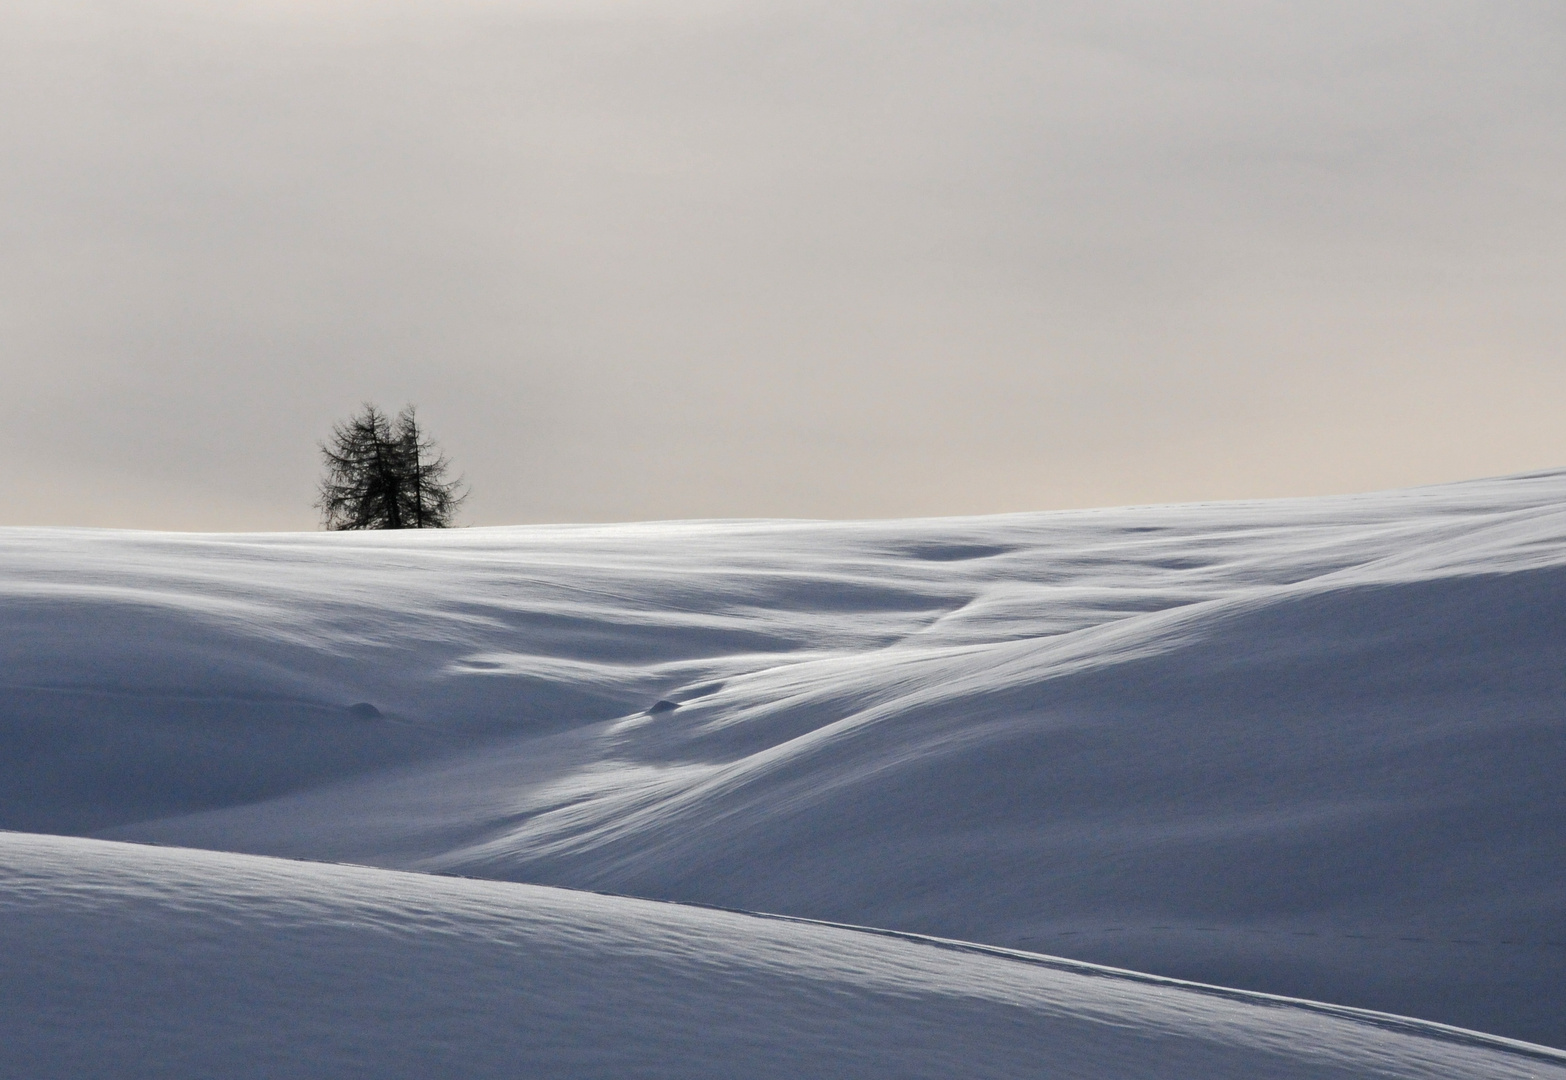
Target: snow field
point(1309, 747)
point(134, 961)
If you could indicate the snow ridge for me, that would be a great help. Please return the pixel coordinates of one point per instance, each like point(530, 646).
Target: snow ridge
point(264, 967)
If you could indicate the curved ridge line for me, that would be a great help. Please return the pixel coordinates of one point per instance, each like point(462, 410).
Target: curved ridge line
point(1407, 1025)
point(1384, 1021)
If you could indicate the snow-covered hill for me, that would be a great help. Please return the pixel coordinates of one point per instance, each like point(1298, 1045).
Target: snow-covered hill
point(132, 961)
point(1308, 747)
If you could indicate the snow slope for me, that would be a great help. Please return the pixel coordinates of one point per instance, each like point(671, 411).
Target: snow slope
point(131, 961)
point(1306, 747)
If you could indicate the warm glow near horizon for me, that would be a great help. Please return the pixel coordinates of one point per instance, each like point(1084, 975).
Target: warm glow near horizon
point(865, 259)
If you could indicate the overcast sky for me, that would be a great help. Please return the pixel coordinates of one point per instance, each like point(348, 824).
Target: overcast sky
point(696, 258)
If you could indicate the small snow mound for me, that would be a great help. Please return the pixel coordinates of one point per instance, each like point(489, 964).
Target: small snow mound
point(955, 552)
point(363, 710)
point(662, 706)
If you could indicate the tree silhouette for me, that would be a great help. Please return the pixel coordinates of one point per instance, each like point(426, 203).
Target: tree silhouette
point(386, 474)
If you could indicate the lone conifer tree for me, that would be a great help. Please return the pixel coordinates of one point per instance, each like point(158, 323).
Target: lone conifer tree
point(386, 474)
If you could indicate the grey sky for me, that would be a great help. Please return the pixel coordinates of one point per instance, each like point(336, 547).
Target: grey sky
point(737, 259)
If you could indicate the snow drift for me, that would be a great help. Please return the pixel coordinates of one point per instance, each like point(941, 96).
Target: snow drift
point(1306, 747)
point(143, 962)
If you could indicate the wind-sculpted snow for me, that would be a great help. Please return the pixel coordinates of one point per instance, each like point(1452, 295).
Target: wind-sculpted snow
point(1307, 747)
point(133, 962)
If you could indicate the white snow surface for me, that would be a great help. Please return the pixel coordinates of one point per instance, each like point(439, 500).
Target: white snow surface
point(1312, 748)
point(132, 961)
